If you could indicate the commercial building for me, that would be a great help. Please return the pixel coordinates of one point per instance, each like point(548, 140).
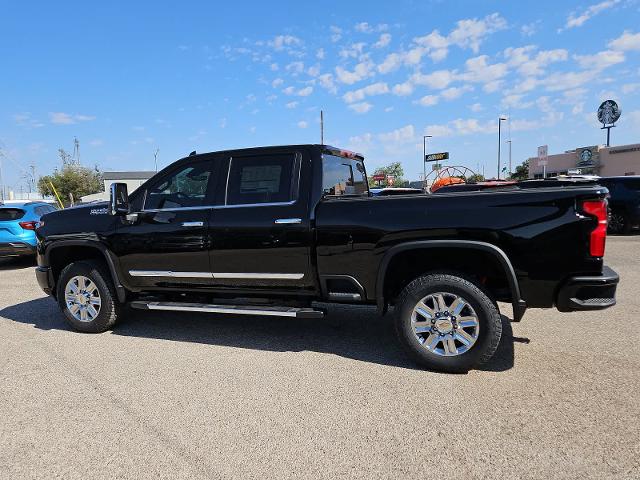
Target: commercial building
point(593, 160)
point(132, 179)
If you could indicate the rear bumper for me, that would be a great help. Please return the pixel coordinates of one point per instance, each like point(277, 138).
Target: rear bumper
point(15, 249)
point(45, 279)
point(589, 293)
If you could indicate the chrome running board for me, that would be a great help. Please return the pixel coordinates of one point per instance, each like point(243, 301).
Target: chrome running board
point(229, 309)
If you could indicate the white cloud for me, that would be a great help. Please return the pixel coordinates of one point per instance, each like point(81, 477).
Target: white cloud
point(292, 104)
point(320, 54)
point(470, 33)
point(403, 89)
point(314, 71)
point(405, 134)
point(281, 41)
point(277, 82)
point(480, 71)
point(378, 88)
point(25, 120)
point(383, 41)
point(274, 67)
point(303, 92)
point(579, 19)
point(96, 142)
point(295, 68)
point(364, 27)
point(362, 70)
point(438, 131)
point(600, 60)
point(529, 29)
point(302, 124)
point(336, 33)
point(626, 41)
point(326, 82)
point(529, 65)
point(427, 100)
point(352, 51)
point(391, 63)
point(362, 107)
point(61, 118)
point(476, 107)
point(630, 88)
point(438, 79)
point(455, 92)
point(436, 44)
point(223, 123)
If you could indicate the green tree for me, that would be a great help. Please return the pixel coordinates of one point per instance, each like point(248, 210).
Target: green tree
point(475, 178)
point(73, 180)
point(393, 170)
point(521, 172)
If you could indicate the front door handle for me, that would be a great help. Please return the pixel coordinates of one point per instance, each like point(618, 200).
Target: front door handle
point(288, 221)
point(192, 224)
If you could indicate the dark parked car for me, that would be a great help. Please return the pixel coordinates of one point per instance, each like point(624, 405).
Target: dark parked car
point(272, 230)
point(624, 202)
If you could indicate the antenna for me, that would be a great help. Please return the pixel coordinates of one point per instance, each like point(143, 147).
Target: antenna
point(321, 127)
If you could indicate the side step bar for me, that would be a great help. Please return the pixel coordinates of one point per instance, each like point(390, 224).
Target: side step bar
point(307, 313)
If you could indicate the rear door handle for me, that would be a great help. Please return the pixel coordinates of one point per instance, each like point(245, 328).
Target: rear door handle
point(192, 224)
point(288, 221)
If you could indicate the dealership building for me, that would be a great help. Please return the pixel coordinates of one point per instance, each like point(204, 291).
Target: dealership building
point(593, 160)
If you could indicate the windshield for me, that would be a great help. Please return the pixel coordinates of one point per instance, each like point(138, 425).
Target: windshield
point(343, 176)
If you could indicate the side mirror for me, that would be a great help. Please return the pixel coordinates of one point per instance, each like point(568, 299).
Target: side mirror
point(119, 199)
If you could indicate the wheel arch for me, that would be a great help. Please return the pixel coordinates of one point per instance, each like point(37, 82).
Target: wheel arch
point(63, 252)
point(494, 252)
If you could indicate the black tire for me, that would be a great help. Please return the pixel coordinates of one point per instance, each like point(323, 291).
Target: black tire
point(618, 223)
point(488, 318)
point(109, 305)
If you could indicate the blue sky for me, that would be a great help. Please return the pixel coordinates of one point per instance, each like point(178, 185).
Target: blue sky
point(127, 78)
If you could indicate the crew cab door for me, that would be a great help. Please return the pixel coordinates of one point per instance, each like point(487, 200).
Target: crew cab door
point(261, 233)
point(166, 243)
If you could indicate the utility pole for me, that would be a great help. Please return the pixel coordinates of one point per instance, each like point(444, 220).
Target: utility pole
point(155, 158)
point(509, 142)
point(500, 120)
point(424, 162)
point(321, 127)
point(1, 183)
point(76, 151)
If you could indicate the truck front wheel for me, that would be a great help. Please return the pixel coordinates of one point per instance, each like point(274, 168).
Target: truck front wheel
point(87, 297)
point(447, 323)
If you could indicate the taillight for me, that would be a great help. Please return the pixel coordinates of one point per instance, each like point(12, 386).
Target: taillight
point(29, 225)
point(598, 209)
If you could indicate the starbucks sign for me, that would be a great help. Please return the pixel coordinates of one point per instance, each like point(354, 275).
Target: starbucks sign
point(587, 157)
point(608, 112)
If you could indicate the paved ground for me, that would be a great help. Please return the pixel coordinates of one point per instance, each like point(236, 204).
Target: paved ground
point(196, 396)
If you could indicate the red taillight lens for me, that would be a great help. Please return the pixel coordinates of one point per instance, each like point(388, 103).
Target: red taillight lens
point(29, 225)
point(597, 208)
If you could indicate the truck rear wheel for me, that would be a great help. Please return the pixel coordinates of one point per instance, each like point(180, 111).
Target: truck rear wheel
point(447, 323)
point(87, 297)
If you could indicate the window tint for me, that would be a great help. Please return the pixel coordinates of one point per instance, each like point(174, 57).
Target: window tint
point(40, 211)
point(633, 184)
point(10, 214)
point(262, 179)
point(186, 187)
point(343, 176)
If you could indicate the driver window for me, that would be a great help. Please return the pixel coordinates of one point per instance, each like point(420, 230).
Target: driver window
point(186, 187)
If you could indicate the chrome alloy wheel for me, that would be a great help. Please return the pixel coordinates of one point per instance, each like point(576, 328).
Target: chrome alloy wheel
point(82, 298)
point(445, 324)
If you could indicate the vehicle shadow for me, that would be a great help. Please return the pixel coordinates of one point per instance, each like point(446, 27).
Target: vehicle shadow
point(358, 333)
point(15, 263)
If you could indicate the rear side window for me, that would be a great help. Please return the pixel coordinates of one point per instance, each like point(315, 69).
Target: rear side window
point(43, 210)
point(262, 179)
point(343, 176)
point(7, 214)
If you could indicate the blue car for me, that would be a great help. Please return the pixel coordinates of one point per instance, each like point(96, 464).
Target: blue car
point(18, 223)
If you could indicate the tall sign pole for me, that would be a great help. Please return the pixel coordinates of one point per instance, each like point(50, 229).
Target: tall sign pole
point(608, 115)
point(500, 120)
point(424, 160)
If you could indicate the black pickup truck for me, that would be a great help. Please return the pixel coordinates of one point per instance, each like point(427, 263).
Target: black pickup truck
point(283, 230)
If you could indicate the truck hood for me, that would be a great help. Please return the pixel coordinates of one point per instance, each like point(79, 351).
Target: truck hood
point(90, 218)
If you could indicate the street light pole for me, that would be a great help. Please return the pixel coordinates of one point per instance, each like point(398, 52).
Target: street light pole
point(424, 158)
point(500, 120)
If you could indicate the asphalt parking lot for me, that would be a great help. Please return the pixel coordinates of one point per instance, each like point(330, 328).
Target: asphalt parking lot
point(200, 396)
